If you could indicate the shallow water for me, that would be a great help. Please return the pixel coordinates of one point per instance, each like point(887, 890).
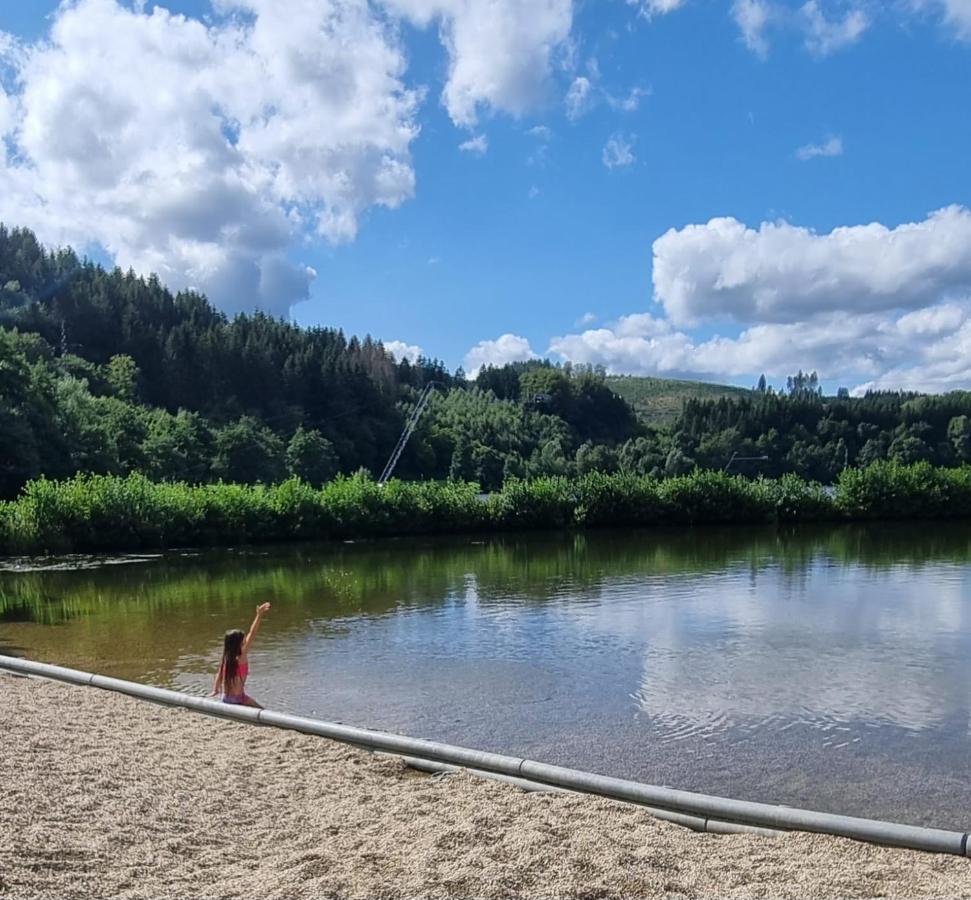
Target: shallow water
point(825, 667)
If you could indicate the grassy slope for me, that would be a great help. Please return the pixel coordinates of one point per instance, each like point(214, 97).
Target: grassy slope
point(658, 400)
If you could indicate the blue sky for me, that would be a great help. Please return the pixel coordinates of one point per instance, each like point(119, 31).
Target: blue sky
point(832, 115)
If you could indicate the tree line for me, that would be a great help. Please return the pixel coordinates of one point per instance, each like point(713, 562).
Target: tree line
point(106, 372)
point(816, 437)
point(110, 373)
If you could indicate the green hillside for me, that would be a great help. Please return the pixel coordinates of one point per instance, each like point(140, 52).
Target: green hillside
point(658, 400)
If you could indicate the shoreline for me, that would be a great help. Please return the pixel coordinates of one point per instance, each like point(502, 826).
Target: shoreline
point(96, 513)
point(106, 796)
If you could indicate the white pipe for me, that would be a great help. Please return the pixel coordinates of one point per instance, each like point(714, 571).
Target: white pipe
point(437, 768)
point(695, 823)
point(686, 804)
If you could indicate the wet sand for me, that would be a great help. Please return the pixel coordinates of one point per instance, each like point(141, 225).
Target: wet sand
point(105, 796)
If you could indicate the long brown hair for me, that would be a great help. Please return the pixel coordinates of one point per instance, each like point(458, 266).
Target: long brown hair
point(232, 648)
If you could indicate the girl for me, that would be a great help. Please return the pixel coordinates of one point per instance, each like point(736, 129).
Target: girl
point(231, 678)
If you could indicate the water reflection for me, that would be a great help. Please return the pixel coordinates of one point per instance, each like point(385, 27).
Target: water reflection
point(832, 649)
point(827, 667)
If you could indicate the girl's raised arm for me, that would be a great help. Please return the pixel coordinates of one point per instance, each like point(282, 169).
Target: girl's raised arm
point(261, 610)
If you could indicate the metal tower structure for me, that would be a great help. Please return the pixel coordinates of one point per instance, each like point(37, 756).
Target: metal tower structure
point(408, 430)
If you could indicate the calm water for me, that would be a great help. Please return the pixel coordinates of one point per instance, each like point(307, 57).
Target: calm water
point(827, 668)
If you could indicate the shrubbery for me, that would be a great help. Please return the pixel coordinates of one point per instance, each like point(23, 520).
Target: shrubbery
point(103, 512)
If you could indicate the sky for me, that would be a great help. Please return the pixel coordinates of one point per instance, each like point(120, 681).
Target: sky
point(708, 189)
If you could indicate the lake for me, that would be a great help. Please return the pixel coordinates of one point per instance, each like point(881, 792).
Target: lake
point(824, 667)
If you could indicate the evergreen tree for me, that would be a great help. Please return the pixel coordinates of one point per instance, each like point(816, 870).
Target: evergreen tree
point(247, 451)
point(311, 457)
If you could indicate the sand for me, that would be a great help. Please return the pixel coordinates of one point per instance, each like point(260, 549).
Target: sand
point(105, 796)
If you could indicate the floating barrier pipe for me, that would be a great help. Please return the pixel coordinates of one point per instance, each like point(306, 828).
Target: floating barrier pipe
point(691, 806)
point(695, 823)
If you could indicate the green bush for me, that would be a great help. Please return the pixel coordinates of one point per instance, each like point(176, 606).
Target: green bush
point(103, 512)
point(959, 491)
point(623, 499)
point(889, 490)
point(545, 502)
point(794, 500)
point(706, 496)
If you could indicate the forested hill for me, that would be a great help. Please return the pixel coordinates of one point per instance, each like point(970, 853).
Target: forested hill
point(189, 356)
point(658, 401)
point(105, 371)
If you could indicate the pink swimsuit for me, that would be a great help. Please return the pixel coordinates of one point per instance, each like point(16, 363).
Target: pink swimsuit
point(242, 670)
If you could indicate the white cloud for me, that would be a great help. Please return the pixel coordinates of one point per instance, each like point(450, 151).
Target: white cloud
point(637, 344)
point(783, 273)
point(752, 18)
point(618, 152)
point(9, 112)
point(400, 350)
point(202, 150)
point(867, 305)
point(933, 321)
point(939, 365)
point(824, 36)
point(880, 347)
point(585, 319)
point(540, 152)
point(579, 99)
point(832, 146)
point(956, 13)
point(533, 192)
point(477, 145)
point(505, 349)
point(500, 51)
point(651, 8)
point(630, 102)
point(585, 92)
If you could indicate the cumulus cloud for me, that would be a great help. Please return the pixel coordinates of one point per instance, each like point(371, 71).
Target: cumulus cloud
point(832, 146)
point(200, 150)
point(752, 18)
point(541, 133)
point(500, 52)
point(871, 306)
point(636, 344)
point(507, 348)
point(400, 350)
point(936, 366)
point(477, 145)
point(206, 149)
point(618, 152)
point(933, 321)
point(825, 36)
point(874, 349)
point(783, 273)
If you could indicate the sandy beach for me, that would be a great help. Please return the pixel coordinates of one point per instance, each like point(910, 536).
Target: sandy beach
point(105, 796)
